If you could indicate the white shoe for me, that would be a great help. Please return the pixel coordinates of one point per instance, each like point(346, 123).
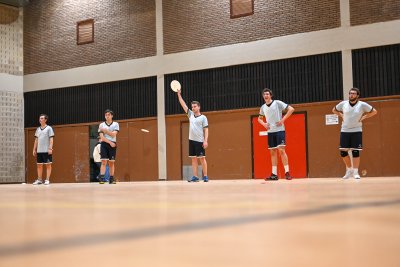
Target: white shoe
point(357, 176)
point(349, 173)
point(37, 182)
point(46, 182)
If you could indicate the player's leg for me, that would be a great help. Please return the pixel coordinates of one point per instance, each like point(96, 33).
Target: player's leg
point(193, 156)
point(356, 144)
point(203, 162)
point(39, 169)
point(111, 164)
point(281, 138)
point(273, 150)
point(48, 173)
point(344, 148)
point(104, 159)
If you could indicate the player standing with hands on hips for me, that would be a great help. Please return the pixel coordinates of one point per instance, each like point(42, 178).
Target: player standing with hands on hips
point(272, 111)
point(198, 137)
point(108, 131)
point(352, 112)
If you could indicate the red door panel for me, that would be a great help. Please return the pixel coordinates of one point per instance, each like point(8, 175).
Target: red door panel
point(295, 148)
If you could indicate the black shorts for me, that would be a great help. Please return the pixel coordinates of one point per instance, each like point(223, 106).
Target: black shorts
point(196, 149)
point(107, 152)
point(44, 158)
point(276, 140)
point(350, 140)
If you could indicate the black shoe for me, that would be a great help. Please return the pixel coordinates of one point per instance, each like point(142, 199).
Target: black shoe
point(287, 176)
point(273, 177)
point(112, 180)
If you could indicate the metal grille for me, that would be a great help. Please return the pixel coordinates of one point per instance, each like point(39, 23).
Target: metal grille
point(128, 99)
point(376, 71)
point(297, 80)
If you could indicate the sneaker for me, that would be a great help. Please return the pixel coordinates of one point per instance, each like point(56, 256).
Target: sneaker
point(194, 179)
point(101, 180)
point(273, 177)
point(205, 179)
point(37, 182)
point(46, 182)
point(349, 173)
point(112, 181)
point(287, 176)
point(357, 176)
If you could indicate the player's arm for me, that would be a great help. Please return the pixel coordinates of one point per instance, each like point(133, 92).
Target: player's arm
point(50, 151)
point(337, 112)
point(182, 102)
point(107, 132)
point(205, 143)
point(289, 111)
point(35, 146)
point(373, 112)
point(260, 121)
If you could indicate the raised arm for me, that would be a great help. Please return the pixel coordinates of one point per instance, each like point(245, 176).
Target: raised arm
point(182, 102)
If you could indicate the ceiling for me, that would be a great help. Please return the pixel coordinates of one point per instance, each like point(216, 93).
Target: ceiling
point(15, 3)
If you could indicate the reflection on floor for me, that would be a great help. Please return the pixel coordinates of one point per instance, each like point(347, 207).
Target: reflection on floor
point(307, 222)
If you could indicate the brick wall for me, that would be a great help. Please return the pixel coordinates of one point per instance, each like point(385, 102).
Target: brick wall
point(192, 24)
point(11, 55)
point(372, 11)
point(124, 29)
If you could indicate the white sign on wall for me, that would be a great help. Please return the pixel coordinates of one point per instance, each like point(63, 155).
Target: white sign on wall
point(331, 119)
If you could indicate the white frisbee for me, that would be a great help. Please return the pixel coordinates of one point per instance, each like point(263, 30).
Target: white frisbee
point(175, 85)
point(145, 130)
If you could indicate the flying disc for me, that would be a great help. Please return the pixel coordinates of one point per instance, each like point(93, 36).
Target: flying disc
point(175, 85)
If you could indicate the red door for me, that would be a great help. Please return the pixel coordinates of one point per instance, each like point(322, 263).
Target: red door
point(296, 148)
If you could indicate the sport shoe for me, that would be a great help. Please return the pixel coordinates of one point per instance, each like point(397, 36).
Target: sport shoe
point(287, 176)
point(37, 182)
point(101, 180)
point(273, 177)
point(349, 173)
point(194, 179)
point(357, 176)
point(205, 179)
point(46, 182)
point(112, 181)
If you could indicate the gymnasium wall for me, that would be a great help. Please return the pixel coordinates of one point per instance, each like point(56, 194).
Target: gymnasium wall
point(229, 154)
point(372, 11)
point(12, 163)
point(190, 24)
point(122, 30)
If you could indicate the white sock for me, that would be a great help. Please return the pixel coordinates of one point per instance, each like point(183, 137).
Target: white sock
point(286, 168)
point(274, 169)
point(349, 169)
point(355, 171)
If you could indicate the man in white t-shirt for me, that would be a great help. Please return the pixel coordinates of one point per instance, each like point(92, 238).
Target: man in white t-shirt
point(272, 111)
point(43, 149)
point(198, 137)
point(108, 131)
point(352, 112)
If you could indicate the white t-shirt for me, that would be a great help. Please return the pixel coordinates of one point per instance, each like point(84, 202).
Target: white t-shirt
point(43, 136)
point(273, 114)
point(352, 115)
point(114, 126)
point(196, 127)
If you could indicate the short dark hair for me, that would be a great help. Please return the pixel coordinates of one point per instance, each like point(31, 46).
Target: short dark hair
point(196, 103)
point(267, 90)
point(109, 111)
point(356, 90)
point(45, 116)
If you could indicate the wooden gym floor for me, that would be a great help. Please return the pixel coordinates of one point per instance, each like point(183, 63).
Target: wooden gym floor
point(305, 222)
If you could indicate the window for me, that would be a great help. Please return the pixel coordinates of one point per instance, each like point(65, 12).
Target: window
point(241, 8)
point(85, 32)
